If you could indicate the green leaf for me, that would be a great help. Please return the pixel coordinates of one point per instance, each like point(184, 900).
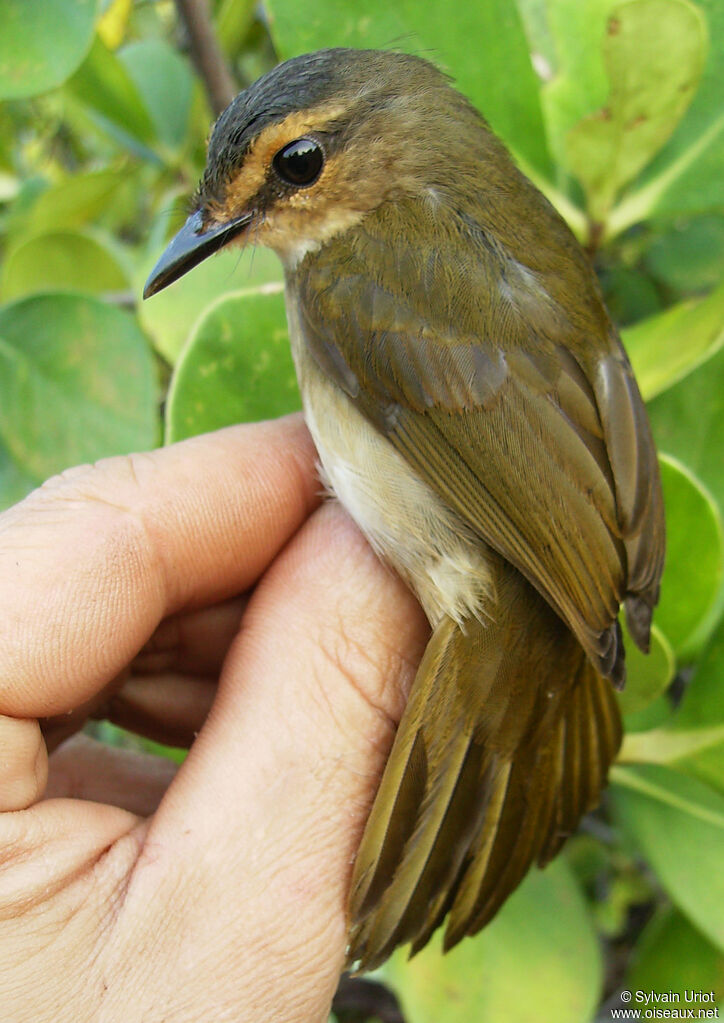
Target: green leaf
point(236, 368)
point(170, 316)
point(694, 567)
point(233, 23)
point(630, 295)
point(692, 738)
point(701, 716)
point(667, 346)
point(538, 960)
point(654, 52)
point(104, 86)
point(647, 675)
point(689, 256)
point(704, 701)
point(72, 202)
point(164, 81)
point(686, 177)
point(678, 825)
point(647, 721)
point(481, 44)
point(76, 383)
point(41, 43)
point(61, 260)
point(113, 23)
point(14, 483)
point(672, 955)
point(576, 84)
point(688, 422)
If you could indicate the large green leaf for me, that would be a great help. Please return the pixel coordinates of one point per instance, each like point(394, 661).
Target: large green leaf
point(233, 22)
point(654, 53)
point(694, 737)
point(62, 260)
point(647, 675)
point(107, 90)
point(667, 346)
point(703, 703)
point(673, 956)
point(482, 45)
point(164, 81)
point(575, 84)
point(14, 482)
point(694, 566)
point(76, 383)
point(171, 315)
point(538, 960)
point(41, 43)
point(688, 256)
point(687, 177)
point(678, 824)
point(71, 202)
point(688, 422)
point(236, 368)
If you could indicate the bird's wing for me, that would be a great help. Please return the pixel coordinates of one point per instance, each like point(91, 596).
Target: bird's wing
point(535, 435)
point(505, 742)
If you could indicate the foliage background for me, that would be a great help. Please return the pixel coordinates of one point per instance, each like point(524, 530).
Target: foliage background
point(614, 109)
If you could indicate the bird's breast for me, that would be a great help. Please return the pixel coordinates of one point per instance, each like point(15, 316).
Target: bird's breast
point(405, 521)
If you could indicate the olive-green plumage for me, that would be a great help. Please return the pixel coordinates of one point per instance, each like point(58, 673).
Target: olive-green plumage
point(475, 412)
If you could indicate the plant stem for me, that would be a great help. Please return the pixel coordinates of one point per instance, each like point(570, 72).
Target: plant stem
point(206, 52)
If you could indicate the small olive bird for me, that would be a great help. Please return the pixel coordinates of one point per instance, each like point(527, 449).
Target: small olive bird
point(475, 413)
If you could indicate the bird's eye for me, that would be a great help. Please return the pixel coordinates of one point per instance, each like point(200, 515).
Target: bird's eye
point(299, 162)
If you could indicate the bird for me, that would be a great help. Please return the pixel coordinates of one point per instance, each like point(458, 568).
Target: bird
point(476, 414)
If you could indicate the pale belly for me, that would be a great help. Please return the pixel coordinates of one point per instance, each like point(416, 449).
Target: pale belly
point(403, 519)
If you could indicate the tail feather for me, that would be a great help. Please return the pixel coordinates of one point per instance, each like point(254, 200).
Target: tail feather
point(505, 743)
point(446, 897)
point(405, 786)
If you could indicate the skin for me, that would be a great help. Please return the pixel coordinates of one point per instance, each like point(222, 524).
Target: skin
point(128, 589)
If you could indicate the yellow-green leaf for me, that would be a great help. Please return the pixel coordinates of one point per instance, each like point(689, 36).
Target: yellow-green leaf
point(237, 367)
point(76, 383)
point(62, 260)
point(538, 960)
point(41, 43)
point(665, 347)
point(654, 53)
point(678, 825)
point(694, 565)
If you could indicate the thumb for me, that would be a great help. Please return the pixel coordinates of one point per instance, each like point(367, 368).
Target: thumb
point(255, 839)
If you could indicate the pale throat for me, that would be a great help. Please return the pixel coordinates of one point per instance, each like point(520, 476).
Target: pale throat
point(294, 233)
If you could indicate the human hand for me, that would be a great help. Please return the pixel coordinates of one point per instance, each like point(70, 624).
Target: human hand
point(125, 590)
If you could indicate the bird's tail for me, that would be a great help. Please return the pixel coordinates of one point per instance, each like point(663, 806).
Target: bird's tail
point(506, 741)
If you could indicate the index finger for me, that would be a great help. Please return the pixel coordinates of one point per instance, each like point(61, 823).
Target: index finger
point(92, 561)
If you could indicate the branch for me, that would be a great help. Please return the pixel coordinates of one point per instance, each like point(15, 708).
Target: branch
point(206, 52)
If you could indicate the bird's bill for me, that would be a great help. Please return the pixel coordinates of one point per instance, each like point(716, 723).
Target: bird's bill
point(189, 247)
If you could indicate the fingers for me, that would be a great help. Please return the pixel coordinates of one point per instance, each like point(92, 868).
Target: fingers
point(273, 796)
point(84, 769)
point(168, 708)
point(172, 683)
point(195, 641)
point(23, 763)
point(248, 855)
point(115, 548)
point(161, 696)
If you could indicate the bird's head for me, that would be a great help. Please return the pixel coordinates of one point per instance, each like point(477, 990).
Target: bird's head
point(314, 146)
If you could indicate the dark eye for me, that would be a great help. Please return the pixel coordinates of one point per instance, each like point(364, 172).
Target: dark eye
point(299, 162)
